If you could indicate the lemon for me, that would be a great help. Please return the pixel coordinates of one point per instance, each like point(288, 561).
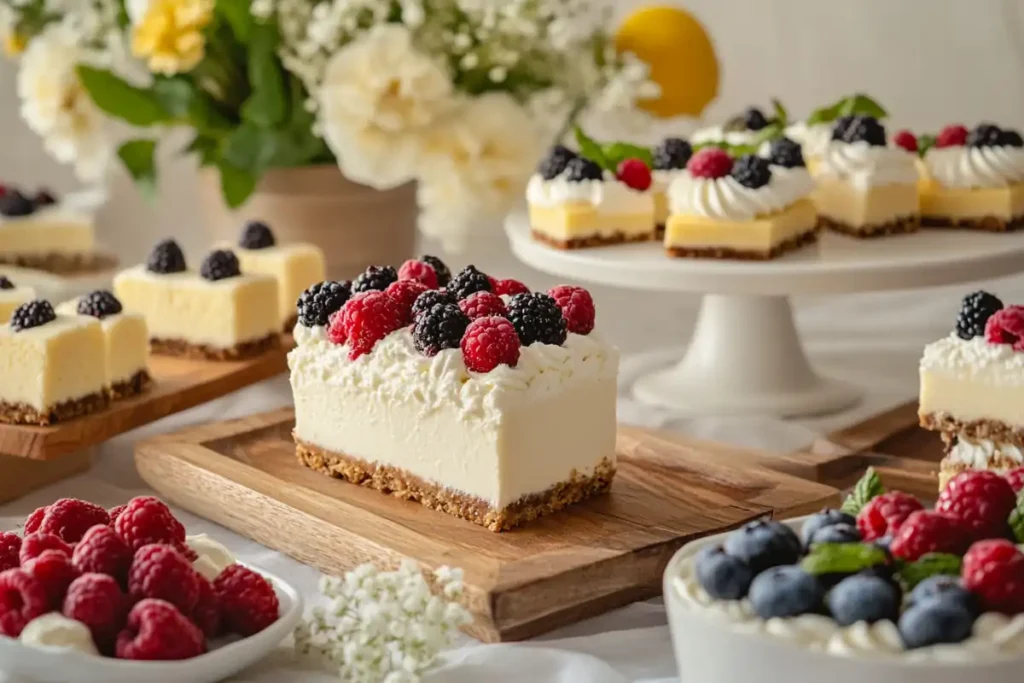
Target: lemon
point(681, 57)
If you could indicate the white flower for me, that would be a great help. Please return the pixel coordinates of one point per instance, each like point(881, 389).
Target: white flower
point(56, 106)
point(379, 95)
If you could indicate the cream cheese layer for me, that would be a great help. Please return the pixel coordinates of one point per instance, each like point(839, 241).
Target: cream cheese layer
point(127, 342)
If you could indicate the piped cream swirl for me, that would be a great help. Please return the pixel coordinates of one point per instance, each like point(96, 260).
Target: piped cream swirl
point(864, 165)
point(976, 167)
point(727, 199)
point(607, 195)
point(813, 139)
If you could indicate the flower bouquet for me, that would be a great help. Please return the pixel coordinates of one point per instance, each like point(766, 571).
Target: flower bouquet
point(457, 95)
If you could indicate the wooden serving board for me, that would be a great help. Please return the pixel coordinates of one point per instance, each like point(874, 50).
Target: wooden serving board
point(571, 565)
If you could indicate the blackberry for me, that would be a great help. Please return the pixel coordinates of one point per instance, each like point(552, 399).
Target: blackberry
point(975, 311)
point(444, 275)
point(537, 318)
point(984, 135)
point(427, 300)
point(5, 282)
point(374, 278)
point(317, 304)
point(256, 235)
point(754, 119)
point(555, 162)
point(439, 328)
point(1011, 138)
point(580, 169)
point(840, 127)
point(99, 304)
point(865, 129)
point(33, 314)
point(468, 281)
point(220, 265)
point(44, 198)
point(751, 171)
point(672, 154)
point(14, 203)
point(166, 257)
point(787, 153)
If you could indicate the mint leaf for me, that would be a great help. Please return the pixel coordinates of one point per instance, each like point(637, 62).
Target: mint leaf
point(869, 486)
point(825, 114)
point(924, 143)
point(183, 100)
point(1017, 519)
point(929, 564)
point(842, 558)
point(268, 104)
point(862, 105)
point(122, 100)
point(781, 115)
point(138, 158)
point(591, 149)
point(617, 152)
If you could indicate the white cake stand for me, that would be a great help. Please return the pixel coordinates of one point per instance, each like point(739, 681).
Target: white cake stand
point(745, 356)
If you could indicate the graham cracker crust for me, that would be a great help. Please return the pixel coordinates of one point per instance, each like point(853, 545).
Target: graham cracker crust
point(791, 244)
point(949, 469)
point(984, 223)
point(184, 349)
point(976, 430)
point(894, 227)
point(133, 386)
point(592, 241)
point(21, 414)
point(659, 231)
point(62, 264)
point(401, 484)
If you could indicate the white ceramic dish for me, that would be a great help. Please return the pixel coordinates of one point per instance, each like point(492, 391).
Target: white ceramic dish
point(710, 650)
point(54, 666)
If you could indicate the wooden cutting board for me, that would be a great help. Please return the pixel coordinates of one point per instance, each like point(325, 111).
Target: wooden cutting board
point(560, 569)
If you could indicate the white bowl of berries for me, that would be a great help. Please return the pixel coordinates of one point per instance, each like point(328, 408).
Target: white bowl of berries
point(882, 590)
point(124, 596)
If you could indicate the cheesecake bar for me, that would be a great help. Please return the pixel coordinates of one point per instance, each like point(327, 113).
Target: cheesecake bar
point(493, 412)
point(294, 266)
point(974, 179)
point(751, 208)
point(39, 232)
point(51, 366)
point(865, 187)
point(218, 313)
point(12, 296)
point(126, 341)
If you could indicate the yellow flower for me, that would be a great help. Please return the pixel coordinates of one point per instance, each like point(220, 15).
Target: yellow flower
point(14, 44)
point(169, 35)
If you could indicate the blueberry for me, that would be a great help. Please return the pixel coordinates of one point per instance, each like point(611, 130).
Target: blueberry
point(864, 598)
point(944, 589)
point(935, 621)
point(839, 533)
point(786, 591)
point(723, 577)
point(763, 544)
point(825, 518)
point(885, 543)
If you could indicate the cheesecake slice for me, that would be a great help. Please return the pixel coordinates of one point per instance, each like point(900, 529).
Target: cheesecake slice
point(126, 341)
point(217, 314)
point(52, 367)
point(12, 296)
point(42, 233)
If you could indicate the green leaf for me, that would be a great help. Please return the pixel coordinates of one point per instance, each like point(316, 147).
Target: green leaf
point(825, 114)
point(249, 147)
point(1017, 519)
point(930, 564)
point(136, 106)
point(736, 124)
point(617, 152)
point(869, 486)
point(238, 16)
point(842, 558)
point(235, 184)
point(268, 104)
point(924, 143)
point(862, 105)
point(590, 148)
point(781, 115)
point(183, 100)
point(204, 147)
point(138, 157)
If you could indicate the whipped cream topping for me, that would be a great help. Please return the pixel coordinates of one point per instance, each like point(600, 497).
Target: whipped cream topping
point(718, 133)
point(309, 335)
point(727, 199)
point(974, 360)
point(661, 178)
point(213, 556)
point(607, 195)
point(56, 631)
point(865, 165)
point(813, 139)
point(975, 167)
point(983, 454)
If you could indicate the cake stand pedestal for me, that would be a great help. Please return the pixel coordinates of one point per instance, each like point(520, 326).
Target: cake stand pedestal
point(745, 355)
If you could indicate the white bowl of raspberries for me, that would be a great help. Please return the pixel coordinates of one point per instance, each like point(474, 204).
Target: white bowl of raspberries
point(882, 590)
point(105, 596)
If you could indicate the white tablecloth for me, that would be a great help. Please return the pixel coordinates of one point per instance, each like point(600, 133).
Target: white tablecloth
point(873, 340)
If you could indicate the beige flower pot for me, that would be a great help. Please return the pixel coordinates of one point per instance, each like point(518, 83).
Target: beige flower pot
point(355, 225)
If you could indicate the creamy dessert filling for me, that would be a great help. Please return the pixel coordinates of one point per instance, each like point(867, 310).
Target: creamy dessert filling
point(12, 296)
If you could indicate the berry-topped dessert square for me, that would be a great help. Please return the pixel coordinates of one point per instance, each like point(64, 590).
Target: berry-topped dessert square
point(974, 179)
point(815, 132)
point(473, 396)
point(746, 208)
point(12, 296)
point(748, 128)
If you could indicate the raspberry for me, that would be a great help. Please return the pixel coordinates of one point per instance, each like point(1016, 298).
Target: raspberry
point(929, 532)
point(1015, 477)
point(482, 304)
point(70, 518)
point(22, 598)
point(33, 545)
point(206, 614)
point(33, 521)
point(248, 601)
point(157, 631)
point(906, 140)
point(952, 136)
point(444, 275)
point(114, 513)
point(981, 500)
point(146, 520)
point(55, 571)
point(489, 342)
point(97, 601)
point(884, 514)
point(634, 174)
point(405, 293)
point(419, 271)
point(367, 318)
point(10, 548)
point(160, 571)
point(101, 551)
point(994, 571)
point(510, 287)
point(577, 307)
point(374, 278)
point(710, 162)
point(1006, 326)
